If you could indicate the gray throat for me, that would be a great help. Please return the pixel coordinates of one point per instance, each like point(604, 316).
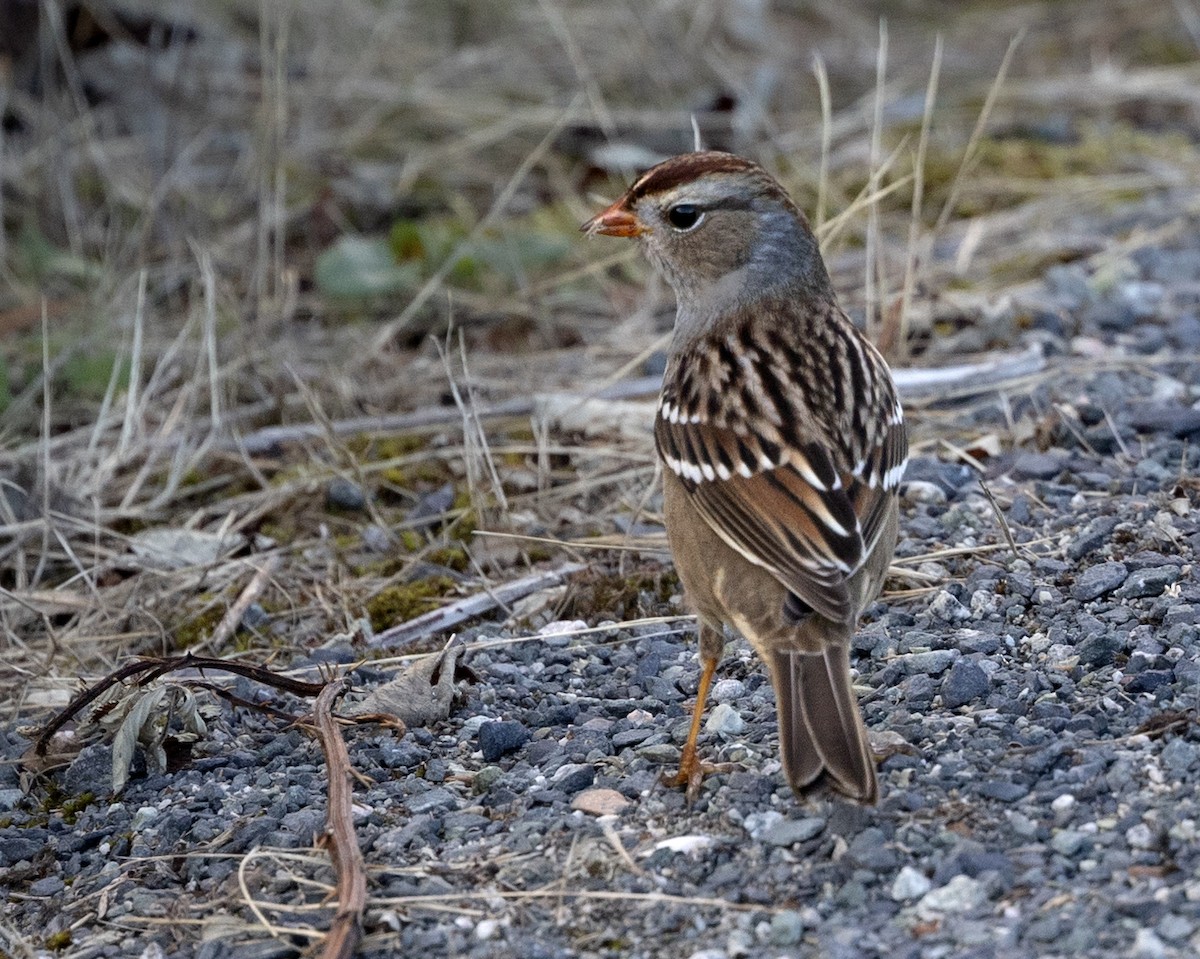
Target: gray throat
point(785, 262)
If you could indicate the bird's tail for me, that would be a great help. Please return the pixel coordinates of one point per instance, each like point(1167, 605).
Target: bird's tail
point(820, 727)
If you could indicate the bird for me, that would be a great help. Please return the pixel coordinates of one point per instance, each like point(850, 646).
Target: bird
point(783, 444)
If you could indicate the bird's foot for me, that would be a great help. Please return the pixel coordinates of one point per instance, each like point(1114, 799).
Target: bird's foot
point(691, 774)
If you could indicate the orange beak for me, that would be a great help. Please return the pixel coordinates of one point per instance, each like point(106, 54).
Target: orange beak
point(617, 220)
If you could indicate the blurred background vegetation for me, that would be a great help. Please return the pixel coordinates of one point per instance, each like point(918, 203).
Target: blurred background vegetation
point(224, 215)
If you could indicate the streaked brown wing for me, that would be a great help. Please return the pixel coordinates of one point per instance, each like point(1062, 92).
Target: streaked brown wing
point(793, 471)
point(808, 538)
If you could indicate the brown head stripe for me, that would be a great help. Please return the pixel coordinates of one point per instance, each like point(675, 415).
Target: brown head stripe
point(687, 167)
point(691, 166)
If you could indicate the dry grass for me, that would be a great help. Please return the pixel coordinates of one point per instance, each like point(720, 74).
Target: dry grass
point(168, 211)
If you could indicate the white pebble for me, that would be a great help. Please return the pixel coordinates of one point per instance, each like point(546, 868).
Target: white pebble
point(727, 690)
point(1146, 945)
point(1140, 837)
point(757, 823)
point(486, 929)
point(725, 721)
point(960, 894)
point(910, 884)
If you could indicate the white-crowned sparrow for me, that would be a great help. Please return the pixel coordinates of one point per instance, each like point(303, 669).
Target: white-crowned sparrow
point(783, 444)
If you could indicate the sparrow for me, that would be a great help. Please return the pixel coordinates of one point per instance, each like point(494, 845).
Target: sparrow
point(783, 444)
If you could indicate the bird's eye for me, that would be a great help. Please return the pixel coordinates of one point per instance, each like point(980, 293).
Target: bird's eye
point(684, 216)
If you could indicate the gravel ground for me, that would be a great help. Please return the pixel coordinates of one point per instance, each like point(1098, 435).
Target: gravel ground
point(1037, 715)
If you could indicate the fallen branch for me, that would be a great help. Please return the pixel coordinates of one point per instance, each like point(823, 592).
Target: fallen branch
point(439, 620)
point(149, 670)
point(345, 930)
point(914, 385)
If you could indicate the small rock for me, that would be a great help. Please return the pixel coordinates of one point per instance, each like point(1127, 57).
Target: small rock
point(47, 886)
point(1148, 582)
point(501, 737)
point(1042, 466)
point(870, 850)
point(1063, 808)
point(1174, 927)
point(946, 607)
point(910, 884)
point(344, 494)
point(1068, 842)
point(691, 845)
point(1097, 580)
point(725, 721)
point(433, 504)
point(255, 617)
point(376, 539)
point(1176, 420)
point(18, 844)
point(1094, 535)
point(728, 690)
point(788, 831)
point(1004, 792)
point(599, 802)
point(142, 818)
point(1141, 836)
point(486, 929)
point(920, 491)
point(485, 778)
point(432, 800)
point(757, 823)
point(931, 663)
point(659, 753)
point(572, 777)
point(1146, 945)
point(960, 894)
point(1099, 649)
point(964, 683)
point(787, 928)
point(1178, 756)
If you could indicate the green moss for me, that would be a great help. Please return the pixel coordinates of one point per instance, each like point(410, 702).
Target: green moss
point(374, 449)
point(59, 941)
point(622, 597)
point(404, 601)
point(198, 628)
point(452, 557)
point(72, 807)
point(463, 528)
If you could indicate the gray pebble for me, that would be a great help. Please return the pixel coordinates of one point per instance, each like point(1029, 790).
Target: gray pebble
point(961, 894)
point(499, 738)
point(785, 832)
point(931, 663)
point(432, 800)
point(910, 884)
point(1174, 927)
point(724, 720)
point(965, 682)
point(376, 539)
point(1097, 580)
point(1099, 649)
point(1175, 420)
point(728, 690)
point(570, 778)
point(1148, 582)
point(1095, 535)
point(47, 886)
point(1069, 842)
point(945, 606)
point(344, 494)
point(1037, 465)
point(787, 928)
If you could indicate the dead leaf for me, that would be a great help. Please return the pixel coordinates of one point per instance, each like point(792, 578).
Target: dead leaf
point(419, 695)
